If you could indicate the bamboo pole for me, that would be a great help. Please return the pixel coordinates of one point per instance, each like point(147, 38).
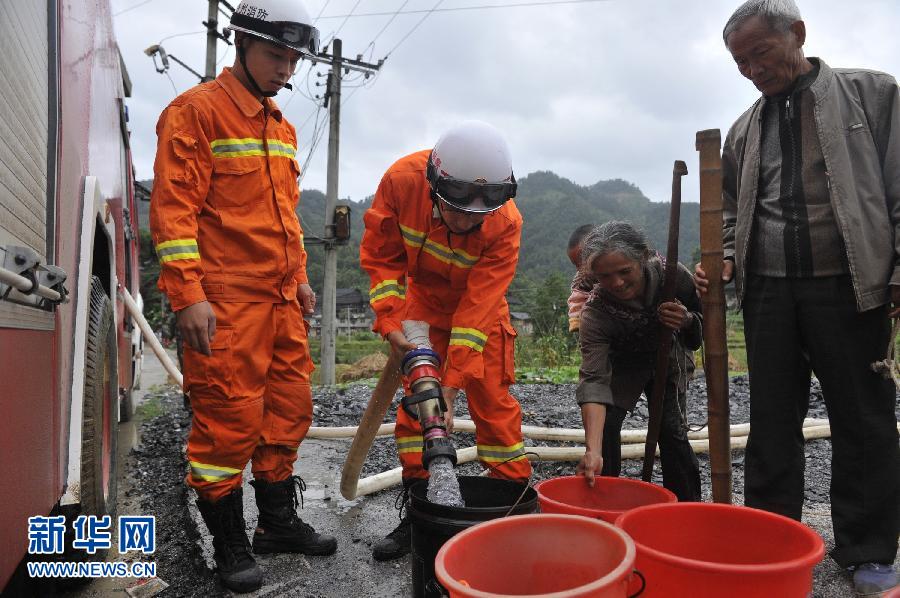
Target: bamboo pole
point(715, 356)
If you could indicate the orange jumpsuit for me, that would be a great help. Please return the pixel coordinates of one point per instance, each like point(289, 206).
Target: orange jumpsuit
point(224, 225)
point(456, 283)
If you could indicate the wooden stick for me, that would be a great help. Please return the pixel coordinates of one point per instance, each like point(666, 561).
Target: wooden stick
point(715, 355)
point(665, 335)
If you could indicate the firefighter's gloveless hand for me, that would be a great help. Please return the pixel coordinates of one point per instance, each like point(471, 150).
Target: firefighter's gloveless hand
point(399, 345)
point(307, 298)
point(449, 398)
point(197, 324)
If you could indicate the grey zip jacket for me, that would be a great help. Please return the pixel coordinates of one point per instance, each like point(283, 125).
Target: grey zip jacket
point(857, 115)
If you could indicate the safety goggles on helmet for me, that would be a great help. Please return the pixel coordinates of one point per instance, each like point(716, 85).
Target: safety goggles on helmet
point(469, 196)
point(298, 36)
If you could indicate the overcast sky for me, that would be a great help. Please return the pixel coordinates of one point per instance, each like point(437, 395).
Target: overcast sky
point(591, 90)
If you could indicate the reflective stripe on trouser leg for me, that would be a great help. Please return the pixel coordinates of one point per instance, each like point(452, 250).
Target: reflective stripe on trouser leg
point(288, 398)
point(226, 390)
point(497, 415)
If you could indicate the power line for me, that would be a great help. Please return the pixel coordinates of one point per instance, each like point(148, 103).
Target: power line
point(138, 5)
point(386, 25)
point(349, 14)
point(186, 33)
point(318, 16)
point(416, 26)
point(462, 8)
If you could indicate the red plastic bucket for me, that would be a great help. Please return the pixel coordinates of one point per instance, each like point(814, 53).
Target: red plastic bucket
point(609, 498)
point(541, 556)
point(711, 550)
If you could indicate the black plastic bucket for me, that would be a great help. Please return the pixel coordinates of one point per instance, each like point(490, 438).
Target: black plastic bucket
point(433, 524)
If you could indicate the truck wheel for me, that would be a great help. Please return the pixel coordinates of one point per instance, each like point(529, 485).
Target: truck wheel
point(101, 405)
point(99, 430)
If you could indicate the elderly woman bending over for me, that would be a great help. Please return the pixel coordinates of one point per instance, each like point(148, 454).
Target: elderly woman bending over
point(620, 328)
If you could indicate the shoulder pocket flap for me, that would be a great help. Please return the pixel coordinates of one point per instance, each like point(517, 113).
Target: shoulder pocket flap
point(184, 145)
point(222, 338)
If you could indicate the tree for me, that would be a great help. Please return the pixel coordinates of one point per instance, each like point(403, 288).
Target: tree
point(550, 309)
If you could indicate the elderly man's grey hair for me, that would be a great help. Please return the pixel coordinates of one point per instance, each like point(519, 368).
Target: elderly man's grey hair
point(781, 14)
point(614, 237)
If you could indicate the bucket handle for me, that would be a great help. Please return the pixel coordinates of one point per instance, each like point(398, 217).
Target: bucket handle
point(527, 484)
point(643, 583)
point(434, 588)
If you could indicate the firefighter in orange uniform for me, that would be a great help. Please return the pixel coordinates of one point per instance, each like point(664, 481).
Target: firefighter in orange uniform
point(441, 245)
point(234, 268)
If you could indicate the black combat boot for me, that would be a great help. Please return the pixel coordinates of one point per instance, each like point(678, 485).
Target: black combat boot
point(398, 543)
point(279, 528)
point(225, 521)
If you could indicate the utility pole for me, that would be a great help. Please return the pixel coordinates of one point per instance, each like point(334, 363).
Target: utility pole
point(339, 65)
point(212, 36)
point(329, 292)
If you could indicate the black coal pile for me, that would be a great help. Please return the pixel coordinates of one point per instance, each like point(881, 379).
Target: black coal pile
point(156, 474)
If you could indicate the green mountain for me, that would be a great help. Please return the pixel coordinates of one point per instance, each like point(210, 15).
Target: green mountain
point(552, 208)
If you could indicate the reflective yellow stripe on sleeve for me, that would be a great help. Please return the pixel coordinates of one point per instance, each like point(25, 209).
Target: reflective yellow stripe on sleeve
point(468, 337)
point(178, 249)
point(385, 289)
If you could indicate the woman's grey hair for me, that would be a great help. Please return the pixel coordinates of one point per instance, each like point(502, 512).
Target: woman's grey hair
point(780, 14)
point(614, 237)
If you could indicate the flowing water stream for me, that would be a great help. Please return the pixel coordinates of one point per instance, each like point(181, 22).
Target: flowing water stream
point(443, 487)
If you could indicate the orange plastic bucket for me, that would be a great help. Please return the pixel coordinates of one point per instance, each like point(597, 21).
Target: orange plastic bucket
point(609, 498)
point(711, 550)
point(542, 556)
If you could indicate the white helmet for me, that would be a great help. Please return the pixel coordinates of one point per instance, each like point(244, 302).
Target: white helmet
point(284, 22)
point(470, 168)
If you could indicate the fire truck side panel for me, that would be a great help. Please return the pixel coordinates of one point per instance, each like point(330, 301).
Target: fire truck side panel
point(29, 402)
point(28, 444)
point(62, 137)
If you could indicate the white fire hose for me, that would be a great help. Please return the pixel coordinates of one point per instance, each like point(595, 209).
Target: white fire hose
point(632, 440)
point(150, 336)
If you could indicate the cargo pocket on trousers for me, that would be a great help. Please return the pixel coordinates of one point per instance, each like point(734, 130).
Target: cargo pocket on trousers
point(212, 376)
point(309, 367)
point(509, 352)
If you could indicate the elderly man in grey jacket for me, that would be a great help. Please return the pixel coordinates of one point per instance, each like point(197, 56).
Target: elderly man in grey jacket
point(812, 237)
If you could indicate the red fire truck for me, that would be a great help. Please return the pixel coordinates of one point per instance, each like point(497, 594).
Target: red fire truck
point(69, 353)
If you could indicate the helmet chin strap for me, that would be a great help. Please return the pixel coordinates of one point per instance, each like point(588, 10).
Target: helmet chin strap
point(434, 201)
point(242, 56)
